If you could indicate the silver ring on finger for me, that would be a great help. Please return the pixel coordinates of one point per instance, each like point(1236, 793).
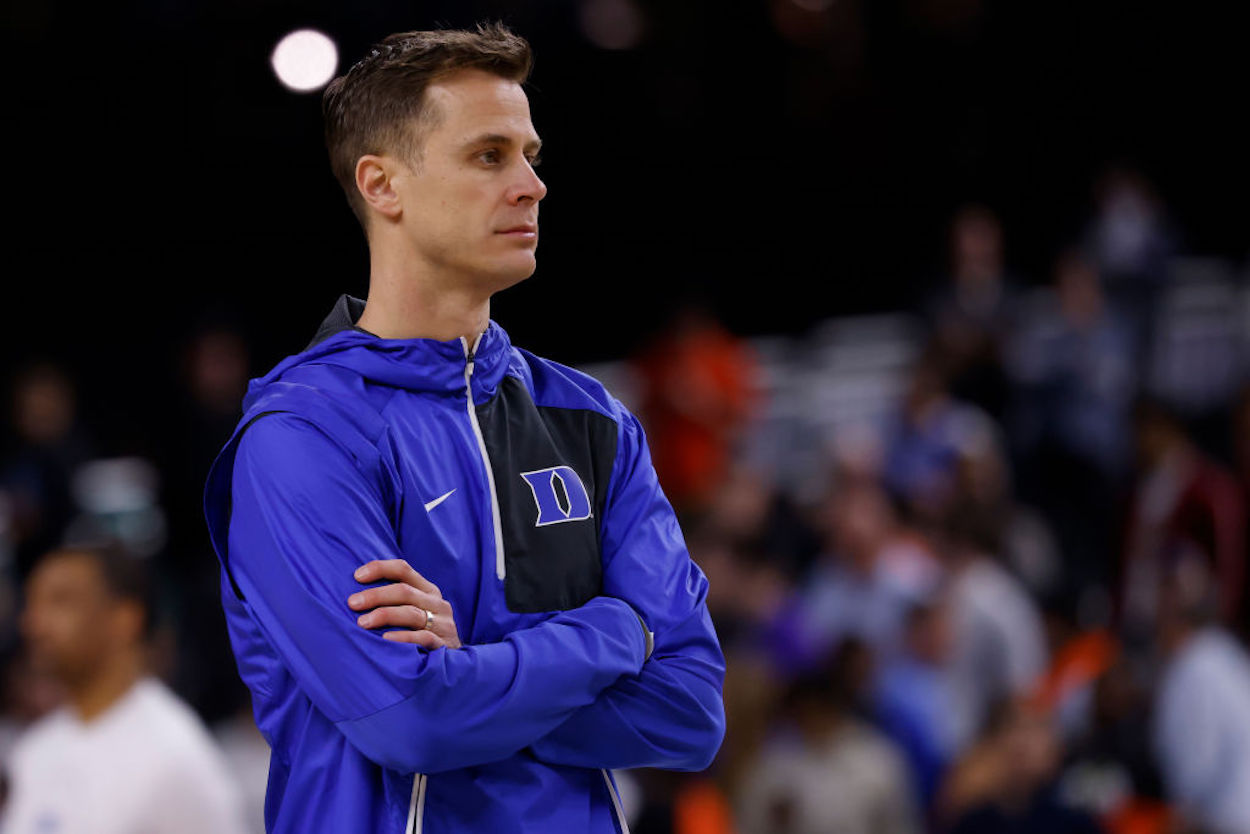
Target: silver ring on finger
point(429, 620)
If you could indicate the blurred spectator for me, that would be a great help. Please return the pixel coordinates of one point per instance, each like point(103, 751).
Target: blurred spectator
point(1131, 239)
point(830, 772)
point(699, 392)
point(47, 445)
point(1029, 546)
point(1202, 708)
point(1006, 784)
point(1110, 770)
point(747, 598)
point(1072, 362)
point(998, 643)
point(1081, 658)
point(913, 700)
point(924, 443)
point(1101, 713)
point(974, 311)
point(123, 754)
point(747, 593)
point(214, 373)
point(749, 511)
point(872, 571)
point(1240, 444)
point(1181, 495)
point(1072, 370)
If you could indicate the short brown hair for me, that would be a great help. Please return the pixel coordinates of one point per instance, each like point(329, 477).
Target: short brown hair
point(375, 106)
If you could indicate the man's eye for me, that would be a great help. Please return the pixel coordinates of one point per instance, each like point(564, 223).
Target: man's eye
point(535, 161)
point(489, 157)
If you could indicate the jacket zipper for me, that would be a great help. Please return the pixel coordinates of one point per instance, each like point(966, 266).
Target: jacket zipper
point(416, 806)
point(616, 801)
point(469, 353)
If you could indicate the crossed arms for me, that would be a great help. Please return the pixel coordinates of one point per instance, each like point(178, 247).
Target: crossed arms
point(576, 689)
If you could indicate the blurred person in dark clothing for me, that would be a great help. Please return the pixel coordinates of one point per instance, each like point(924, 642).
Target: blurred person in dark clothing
point(749, 510)
point(1101, 711)
point(827, 771)
point(123, 754)
point(1181, 495)
point(973, 312)
point(1130, 235)
point(1131, 239)
point(924, 441)
point(1072, 368)
point(699, 393)
point(748, 591)
point(1110, 769)
point(1029, 546)
point(1006, 784)
point(1240, 449)
point(214, 370)
point(47, 445)
point(1201, 731)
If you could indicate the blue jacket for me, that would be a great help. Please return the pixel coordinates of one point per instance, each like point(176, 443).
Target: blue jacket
point(533, 506)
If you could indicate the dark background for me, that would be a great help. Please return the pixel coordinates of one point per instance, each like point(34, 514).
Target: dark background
point(787, 165)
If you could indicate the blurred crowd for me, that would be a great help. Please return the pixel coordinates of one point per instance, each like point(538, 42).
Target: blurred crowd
point(984, 573)
point(978, 566)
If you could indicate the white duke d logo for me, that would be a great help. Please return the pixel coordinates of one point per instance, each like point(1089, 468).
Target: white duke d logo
point(560, 495)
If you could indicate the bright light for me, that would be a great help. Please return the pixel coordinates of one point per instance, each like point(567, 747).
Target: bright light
point(305, 60)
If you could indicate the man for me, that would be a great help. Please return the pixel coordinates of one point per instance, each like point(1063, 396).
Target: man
point(837, 773)
point(124, 755)
point(502, 509)
point(1201, 716)
point(1182, 495)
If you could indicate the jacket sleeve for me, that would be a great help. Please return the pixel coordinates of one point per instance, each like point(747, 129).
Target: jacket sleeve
point(305, 514)
point(672, 714)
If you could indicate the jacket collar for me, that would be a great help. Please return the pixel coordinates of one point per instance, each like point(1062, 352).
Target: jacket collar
point(413, 364)
point(346, 312)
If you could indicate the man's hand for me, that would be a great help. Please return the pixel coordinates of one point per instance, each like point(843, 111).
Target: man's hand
point(403, 605)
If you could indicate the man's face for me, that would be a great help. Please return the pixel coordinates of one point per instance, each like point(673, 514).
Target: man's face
point(68, 617)
point(470, 203)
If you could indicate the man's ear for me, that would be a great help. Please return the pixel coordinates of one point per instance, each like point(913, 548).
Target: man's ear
point(373, 180)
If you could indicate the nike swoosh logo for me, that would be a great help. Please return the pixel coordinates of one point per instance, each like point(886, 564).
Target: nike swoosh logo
point(440, 499)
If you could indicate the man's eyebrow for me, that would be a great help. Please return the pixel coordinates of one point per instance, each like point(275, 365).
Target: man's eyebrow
point(500, 139)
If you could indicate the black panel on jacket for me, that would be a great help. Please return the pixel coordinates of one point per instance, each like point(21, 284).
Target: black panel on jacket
point(555, 565)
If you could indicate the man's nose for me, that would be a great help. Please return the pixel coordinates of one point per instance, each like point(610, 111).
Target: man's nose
point(527, 187)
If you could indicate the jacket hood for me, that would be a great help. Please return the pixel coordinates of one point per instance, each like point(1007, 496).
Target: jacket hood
point(413, 364)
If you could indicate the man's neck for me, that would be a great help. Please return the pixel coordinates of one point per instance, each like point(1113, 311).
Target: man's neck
point(94, 697)
point(403, 304)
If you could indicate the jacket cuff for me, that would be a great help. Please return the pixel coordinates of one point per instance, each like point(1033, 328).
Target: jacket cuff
point(647, 633)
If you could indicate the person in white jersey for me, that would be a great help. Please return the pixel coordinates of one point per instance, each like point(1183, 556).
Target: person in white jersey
point(1201, 730)
point(123, 754)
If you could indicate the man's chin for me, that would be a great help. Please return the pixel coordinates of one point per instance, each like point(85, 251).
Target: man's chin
point(511, 274)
